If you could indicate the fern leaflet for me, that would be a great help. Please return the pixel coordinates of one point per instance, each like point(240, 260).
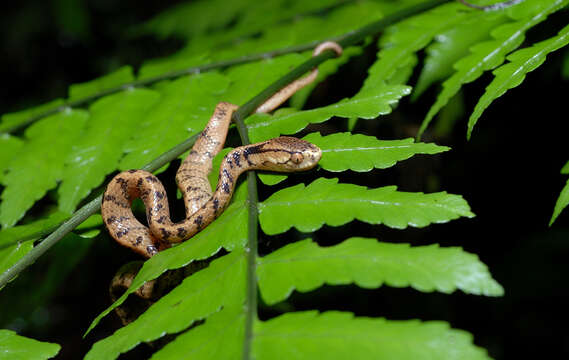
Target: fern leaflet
point(40, 164)
point(490, 54)
point(16, 347)
point(339, 204)
point(356, 152)
point(513, 74)
point(305, 266)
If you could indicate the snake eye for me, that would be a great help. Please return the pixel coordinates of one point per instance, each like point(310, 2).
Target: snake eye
point(296, 158)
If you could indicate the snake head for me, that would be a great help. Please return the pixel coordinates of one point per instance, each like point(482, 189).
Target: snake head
point(288, 154)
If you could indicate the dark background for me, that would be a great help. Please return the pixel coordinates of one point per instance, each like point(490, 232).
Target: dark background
point(508, 173)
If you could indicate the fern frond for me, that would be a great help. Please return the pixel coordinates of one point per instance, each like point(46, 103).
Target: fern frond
point(453, 44)
point(299, 335)
point(338, 204)
point(98, 151)
point(490, 54)
point(375, 102)
point(356, 152)
point(346, 151)
point(563, 199)
point(561, 203)
point(40, 164)
point(304, 266)
point(513, 74)
point(401, 41)
point(221, 284)
point(16, 347)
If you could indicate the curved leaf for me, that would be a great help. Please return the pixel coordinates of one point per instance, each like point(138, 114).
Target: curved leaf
point(305, 266)
point(327, 202)
point(452, 45)
point(301, 335)
point(367, 106)
point(16, 347)
point(203, 293)
point(562, 202)
point(490, 54)
point(113, 120)
point(40, 164)
point(401, 41)
point(513, 74)
point(343, 151)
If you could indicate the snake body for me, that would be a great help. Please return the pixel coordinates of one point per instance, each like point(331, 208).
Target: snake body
point(283, 154)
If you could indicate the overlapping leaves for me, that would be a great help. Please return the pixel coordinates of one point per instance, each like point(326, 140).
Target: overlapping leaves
point(490, 54)
point(142, 123)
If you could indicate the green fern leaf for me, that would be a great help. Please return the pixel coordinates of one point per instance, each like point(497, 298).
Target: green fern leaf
point(565, 168)
point(301, 335)
point(562, 202)
point(115, 79)
point(40, 164)
point(305, 266)
point(367, 106)
point(339, 204)
point(343, 151)
point(14, 119)
point(98, 151)
point(402, 40)
point(563, 199)
point(513, 74)
point(254, 39)
point(16, 347)
point(9, 148)
point(221, 337)
point(452, 45)
point(356, 152)
point(490, 54)
point(221, 284)
point(184, 108)
point(17, 241)
point(229, 231)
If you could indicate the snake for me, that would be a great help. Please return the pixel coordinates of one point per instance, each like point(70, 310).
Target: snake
point(202, 205)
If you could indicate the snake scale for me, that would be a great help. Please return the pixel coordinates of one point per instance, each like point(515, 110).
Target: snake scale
point(283, 154)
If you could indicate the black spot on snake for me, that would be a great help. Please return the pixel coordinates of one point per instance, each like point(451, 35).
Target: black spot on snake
point(236, 158)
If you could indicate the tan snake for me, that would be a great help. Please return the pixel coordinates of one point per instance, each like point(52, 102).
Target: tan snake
point(283, 154)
